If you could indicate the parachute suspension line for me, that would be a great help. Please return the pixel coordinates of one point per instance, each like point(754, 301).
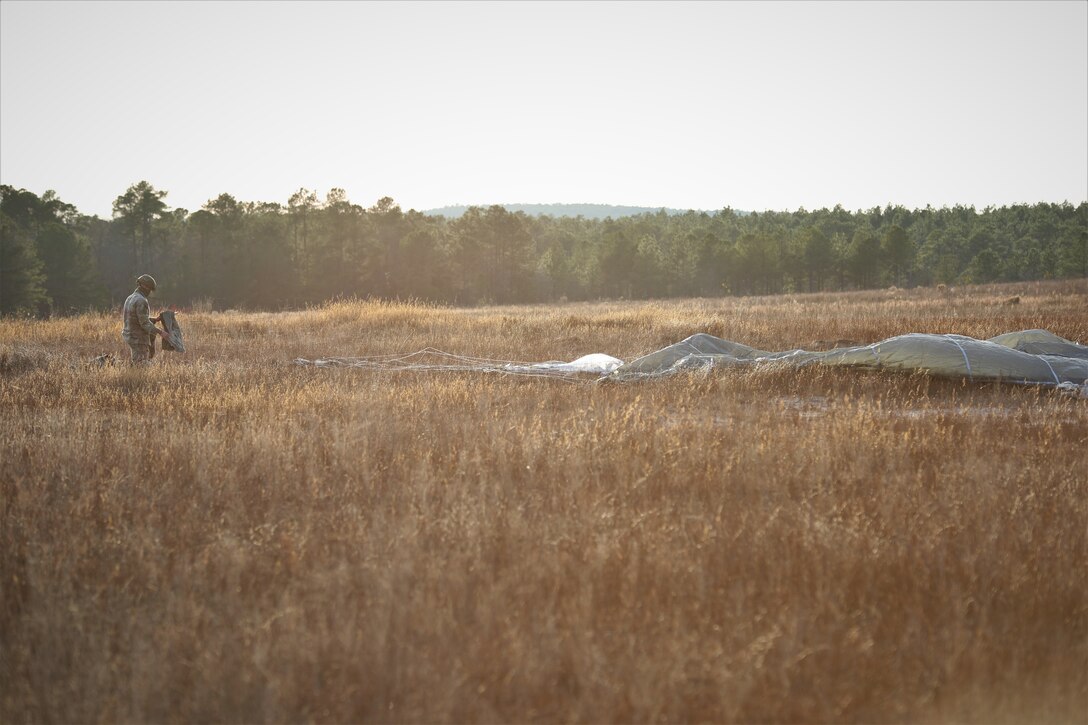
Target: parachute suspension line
point(966, 362)
point(1056, 380)
point(425, 361)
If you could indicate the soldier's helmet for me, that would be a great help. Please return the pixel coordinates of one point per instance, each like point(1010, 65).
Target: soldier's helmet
point(146, 280)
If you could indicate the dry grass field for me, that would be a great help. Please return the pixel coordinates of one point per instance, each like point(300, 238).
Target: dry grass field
point(226, 536)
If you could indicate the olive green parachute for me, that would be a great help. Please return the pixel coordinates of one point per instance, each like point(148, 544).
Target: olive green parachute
point(1031, 356)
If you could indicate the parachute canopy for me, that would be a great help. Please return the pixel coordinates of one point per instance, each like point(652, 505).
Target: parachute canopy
point(1030, 356)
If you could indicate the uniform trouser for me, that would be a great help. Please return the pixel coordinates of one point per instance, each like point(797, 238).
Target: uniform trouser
point(140, 347)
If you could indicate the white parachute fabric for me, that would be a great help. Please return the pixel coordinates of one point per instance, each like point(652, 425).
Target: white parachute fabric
point(594, 363)
point(1030, 356)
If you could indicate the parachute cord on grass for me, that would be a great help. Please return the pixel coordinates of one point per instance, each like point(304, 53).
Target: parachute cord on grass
point(395, 363)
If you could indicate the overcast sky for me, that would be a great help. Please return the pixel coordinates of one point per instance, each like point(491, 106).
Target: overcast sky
point(702, 105)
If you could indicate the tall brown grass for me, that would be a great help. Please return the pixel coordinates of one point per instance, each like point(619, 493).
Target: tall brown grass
point(228, 537)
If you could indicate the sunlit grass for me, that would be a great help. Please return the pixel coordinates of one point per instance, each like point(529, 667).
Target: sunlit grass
point(227, 536)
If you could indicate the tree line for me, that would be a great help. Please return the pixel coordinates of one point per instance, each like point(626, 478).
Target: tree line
point(260, 255)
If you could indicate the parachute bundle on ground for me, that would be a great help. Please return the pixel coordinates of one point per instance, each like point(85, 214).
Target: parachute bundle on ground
point(174, 341)
point(1031, 356)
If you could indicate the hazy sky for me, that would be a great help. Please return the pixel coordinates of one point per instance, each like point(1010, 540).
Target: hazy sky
point(702, 105)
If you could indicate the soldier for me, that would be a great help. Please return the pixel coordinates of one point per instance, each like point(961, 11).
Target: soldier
point(139, 325)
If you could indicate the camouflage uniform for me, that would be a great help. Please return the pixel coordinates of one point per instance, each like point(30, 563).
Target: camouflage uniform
point(138, 327)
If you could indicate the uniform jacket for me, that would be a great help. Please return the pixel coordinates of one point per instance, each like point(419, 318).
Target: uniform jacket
point(138, 325)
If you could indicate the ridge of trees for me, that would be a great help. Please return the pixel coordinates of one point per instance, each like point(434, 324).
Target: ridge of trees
point(589, 211)
point(260, 255)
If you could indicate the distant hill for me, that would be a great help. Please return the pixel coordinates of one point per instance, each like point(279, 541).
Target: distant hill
point(589, 211)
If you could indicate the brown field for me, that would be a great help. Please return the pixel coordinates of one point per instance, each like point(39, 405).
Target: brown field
point(229, 537)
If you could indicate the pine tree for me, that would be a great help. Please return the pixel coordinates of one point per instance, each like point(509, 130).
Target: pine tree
point(22, 284)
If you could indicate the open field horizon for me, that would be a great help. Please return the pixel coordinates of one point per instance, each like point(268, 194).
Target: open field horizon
point(550, 331)
point(227, 536)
